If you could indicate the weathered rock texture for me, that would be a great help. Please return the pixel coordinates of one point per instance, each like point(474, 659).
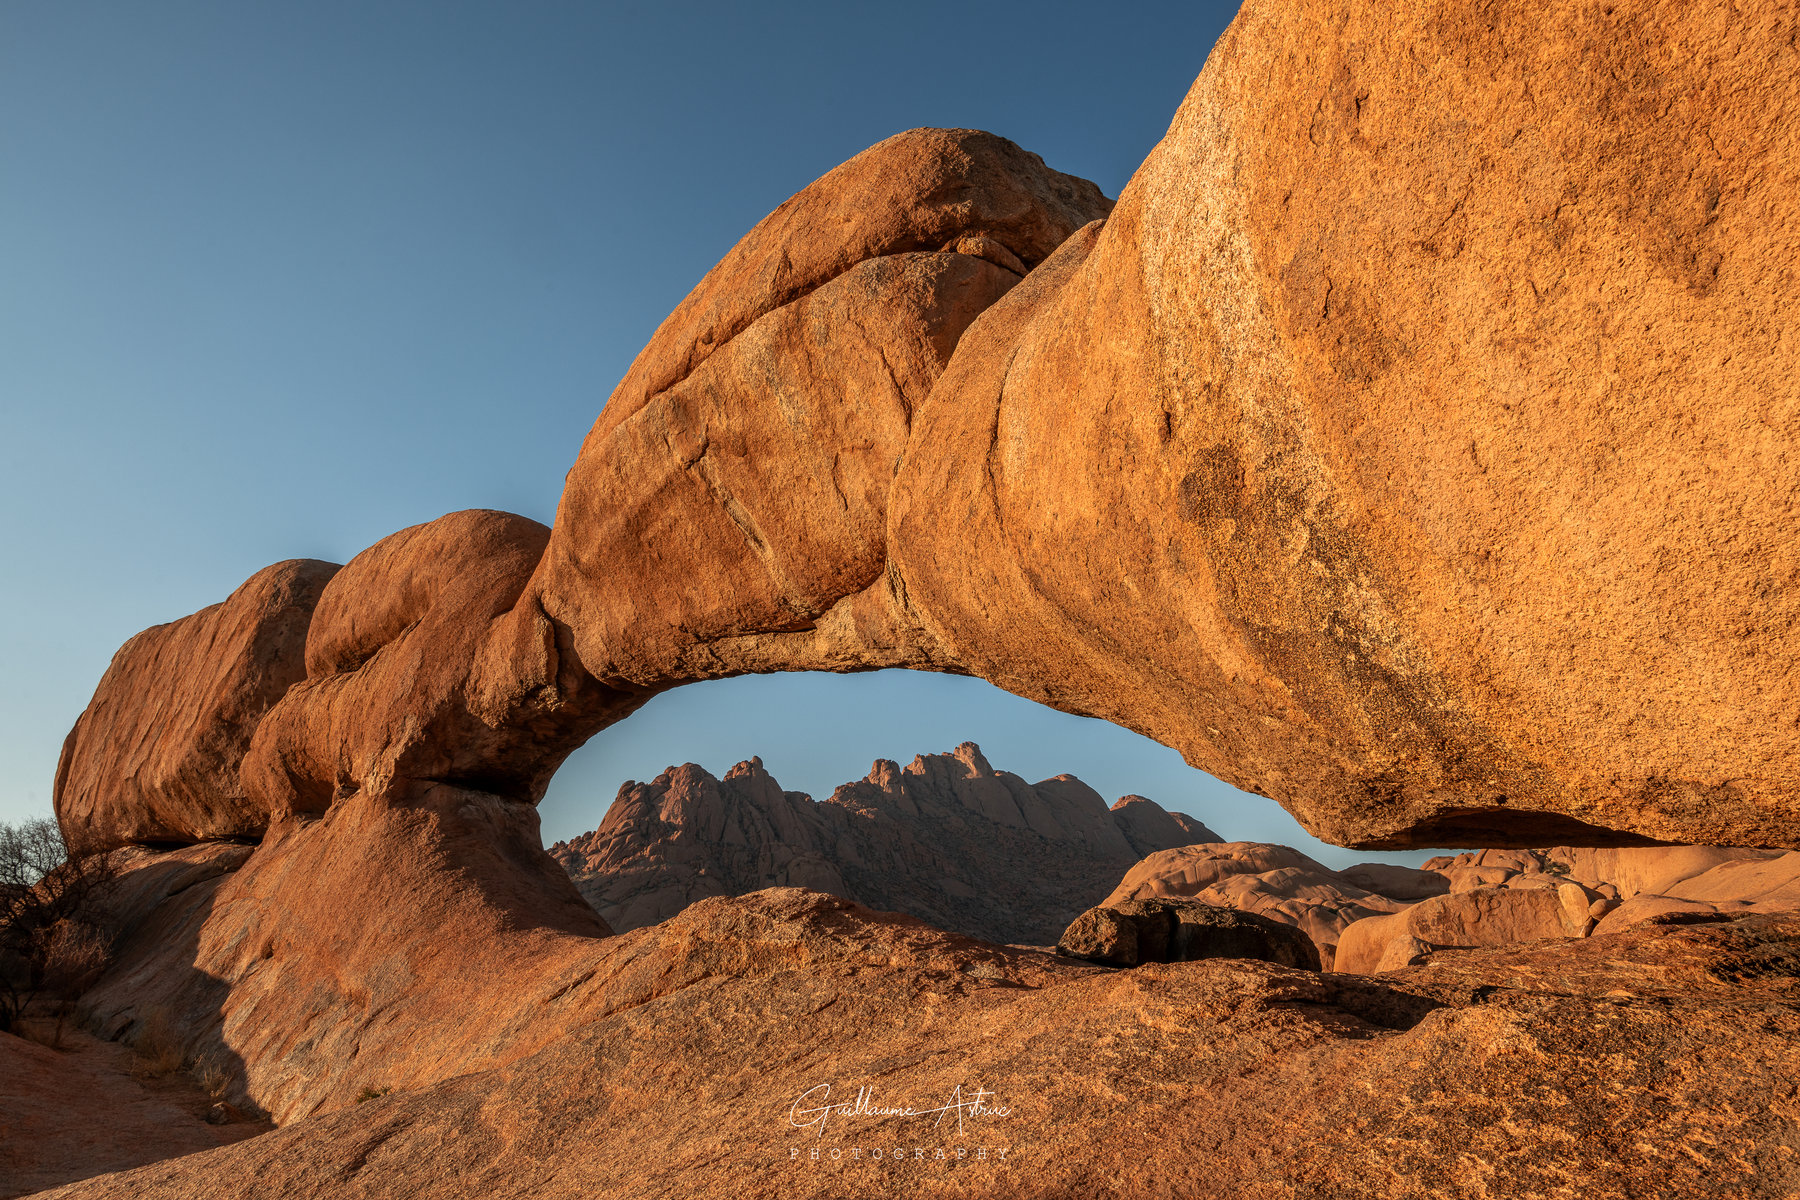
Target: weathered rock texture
point(1277, 882)
point(947, 839)
point(155, 756)
point(78, 1111)
point(728, 511)
point(1414, 443)
point(1656, 1063)
point(388, 944)
point(1500, 897)
point(1481, 917)
point(422, 669)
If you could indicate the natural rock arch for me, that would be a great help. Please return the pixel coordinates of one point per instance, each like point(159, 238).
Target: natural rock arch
point(1415, 447)
point(1291, 462)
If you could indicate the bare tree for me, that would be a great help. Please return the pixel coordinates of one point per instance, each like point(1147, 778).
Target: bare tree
point(53, 935)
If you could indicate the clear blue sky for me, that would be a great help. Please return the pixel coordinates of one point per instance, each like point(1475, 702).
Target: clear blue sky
point(279, 280)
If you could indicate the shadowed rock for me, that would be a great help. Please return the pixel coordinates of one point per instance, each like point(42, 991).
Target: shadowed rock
point(948, 839)
point(1132, 932)
point(392, 942)
point(1277, 882)
point(1372, 917)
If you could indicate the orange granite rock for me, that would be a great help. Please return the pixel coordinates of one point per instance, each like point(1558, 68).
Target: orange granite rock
point(1410, 448)
point(728, 511)
point(401, 663)
point(1655, 1063)
point(155, 756)
point(1414, 442)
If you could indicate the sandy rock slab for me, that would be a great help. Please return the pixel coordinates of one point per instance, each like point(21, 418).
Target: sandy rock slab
point(1656, 1063)
point(78, 1110)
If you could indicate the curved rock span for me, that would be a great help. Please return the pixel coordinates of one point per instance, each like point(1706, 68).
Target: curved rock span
point(948, 839)
point(1413, 447)
point(1414, 442)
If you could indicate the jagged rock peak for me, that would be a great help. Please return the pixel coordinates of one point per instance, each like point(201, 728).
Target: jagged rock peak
point(947, 838)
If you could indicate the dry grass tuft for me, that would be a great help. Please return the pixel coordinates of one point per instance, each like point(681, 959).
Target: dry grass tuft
point(157, 1047)
point(213, 1073)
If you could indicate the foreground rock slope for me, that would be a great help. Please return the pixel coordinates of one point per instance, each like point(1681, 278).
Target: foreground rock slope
point(1657, 1062)
point(386, 944)
point(947, 839)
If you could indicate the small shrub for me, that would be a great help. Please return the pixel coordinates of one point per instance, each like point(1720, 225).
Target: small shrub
point(369, 1093)
point(157, 1047)
point(1553, 867)
point(52, 919)
point(213, 1074)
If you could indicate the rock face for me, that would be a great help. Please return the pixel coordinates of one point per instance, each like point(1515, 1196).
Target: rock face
point(1482, 917)
point(1501, 897)
point(155, 756)
point(1412, 446)
point(947, 839)
point(400, 660)
point(1670, 1050)
point(386, 944)
point(728, 511)
point(1134, 932)
point(1276, 882)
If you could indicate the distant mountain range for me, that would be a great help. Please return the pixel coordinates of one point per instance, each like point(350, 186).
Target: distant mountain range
point(947, 839)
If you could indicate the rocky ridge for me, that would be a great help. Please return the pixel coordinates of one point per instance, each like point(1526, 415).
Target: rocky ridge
point(1373, 917)
point(947, 839)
